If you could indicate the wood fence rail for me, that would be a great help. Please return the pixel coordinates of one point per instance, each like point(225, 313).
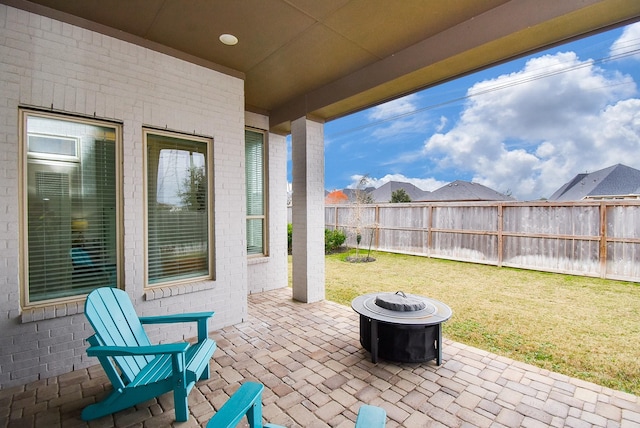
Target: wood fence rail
point(596, 238)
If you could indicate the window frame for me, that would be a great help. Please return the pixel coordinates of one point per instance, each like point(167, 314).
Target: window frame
point(209, 164)
point(265, 194)
point(33, 160)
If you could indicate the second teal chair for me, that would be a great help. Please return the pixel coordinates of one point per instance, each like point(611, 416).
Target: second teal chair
point(247, 401)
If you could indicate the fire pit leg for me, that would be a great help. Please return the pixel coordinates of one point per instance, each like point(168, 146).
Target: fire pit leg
point(374, 341)
point(439, 345)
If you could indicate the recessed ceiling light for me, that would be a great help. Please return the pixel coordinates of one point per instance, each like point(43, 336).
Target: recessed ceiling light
point(228, 39)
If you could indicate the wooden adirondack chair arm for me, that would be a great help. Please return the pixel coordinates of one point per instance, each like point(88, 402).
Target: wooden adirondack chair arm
point(114, 351)
point(165, 319)
point(200, 317)
point(247, 399)
point(371, 417)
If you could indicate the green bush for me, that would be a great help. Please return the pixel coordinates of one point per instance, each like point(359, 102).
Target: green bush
point(333, 239)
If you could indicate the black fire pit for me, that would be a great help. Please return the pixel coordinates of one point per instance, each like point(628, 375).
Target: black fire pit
point(401, 327)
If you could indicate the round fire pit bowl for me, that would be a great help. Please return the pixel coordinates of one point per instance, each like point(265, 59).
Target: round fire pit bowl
point(401, 327)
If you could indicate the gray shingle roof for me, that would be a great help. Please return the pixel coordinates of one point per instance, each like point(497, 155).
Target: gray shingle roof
point(466, 191)
point(383, 193)
point(352, 194)
point(615, 181)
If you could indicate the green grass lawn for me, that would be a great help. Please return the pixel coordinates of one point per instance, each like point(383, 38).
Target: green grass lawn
point(587, 328)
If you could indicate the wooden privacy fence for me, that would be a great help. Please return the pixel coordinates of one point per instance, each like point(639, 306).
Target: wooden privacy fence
point(598, 238)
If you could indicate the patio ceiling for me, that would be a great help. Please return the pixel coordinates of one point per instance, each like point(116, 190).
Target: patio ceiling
point(326, 59)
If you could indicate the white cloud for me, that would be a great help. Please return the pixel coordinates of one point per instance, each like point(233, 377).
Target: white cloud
point(430, 184)
point(394, 108)
point(443, 123)
point(628, 44)
point(402, 158)
point(530, 134)
point(398, 127)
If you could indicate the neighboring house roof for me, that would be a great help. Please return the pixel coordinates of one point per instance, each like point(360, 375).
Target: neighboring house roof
point(383, 193)
point(352, 194)
point(466, 191)
point(336, 197)
point(617, 181)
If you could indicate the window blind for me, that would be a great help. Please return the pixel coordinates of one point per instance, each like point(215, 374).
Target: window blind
point(254, 166)
point(177, 208)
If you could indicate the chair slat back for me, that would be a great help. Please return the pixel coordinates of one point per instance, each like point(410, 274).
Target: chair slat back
point(112, 316)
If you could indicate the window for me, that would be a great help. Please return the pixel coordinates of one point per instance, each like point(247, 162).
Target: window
point(178, 207)
point(256, 205)
point(71, 206)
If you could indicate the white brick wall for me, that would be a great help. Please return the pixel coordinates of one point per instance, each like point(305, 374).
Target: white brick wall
point(49, 64)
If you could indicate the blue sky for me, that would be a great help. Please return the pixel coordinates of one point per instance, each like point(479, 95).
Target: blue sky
point(524, 128)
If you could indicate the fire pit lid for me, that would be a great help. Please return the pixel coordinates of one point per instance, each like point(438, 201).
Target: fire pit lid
point(399, 302)
point(434, 312)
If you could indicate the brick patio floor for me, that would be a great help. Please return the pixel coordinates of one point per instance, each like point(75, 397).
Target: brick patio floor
point(316, 374)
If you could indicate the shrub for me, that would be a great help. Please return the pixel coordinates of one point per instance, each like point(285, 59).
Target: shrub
point(333, 239)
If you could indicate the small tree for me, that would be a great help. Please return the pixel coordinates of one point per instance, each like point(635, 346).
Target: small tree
point(360, 218)
point(399, 196)
point(360, 199)
point(364, 197)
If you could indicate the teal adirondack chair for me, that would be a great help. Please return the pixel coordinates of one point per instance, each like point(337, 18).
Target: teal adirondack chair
point(138, 370)
point(247, 401)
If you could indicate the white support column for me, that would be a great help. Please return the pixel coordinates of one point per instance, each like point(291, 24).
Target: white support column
point(307, 150)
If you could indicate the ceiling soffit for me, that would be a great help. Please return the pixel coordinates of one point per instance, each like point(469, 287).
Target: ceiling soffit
point(486, 40)
point(329, 58)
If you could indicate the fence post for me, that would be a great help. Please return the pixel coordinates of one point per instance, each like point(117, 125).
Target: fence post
point(603, 240)
point(377, 224)
point(429, 227)
point(500, 237)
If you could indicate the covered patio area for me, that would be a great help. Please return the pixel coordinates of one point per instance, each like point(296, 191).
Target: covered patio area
point(316, 374)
